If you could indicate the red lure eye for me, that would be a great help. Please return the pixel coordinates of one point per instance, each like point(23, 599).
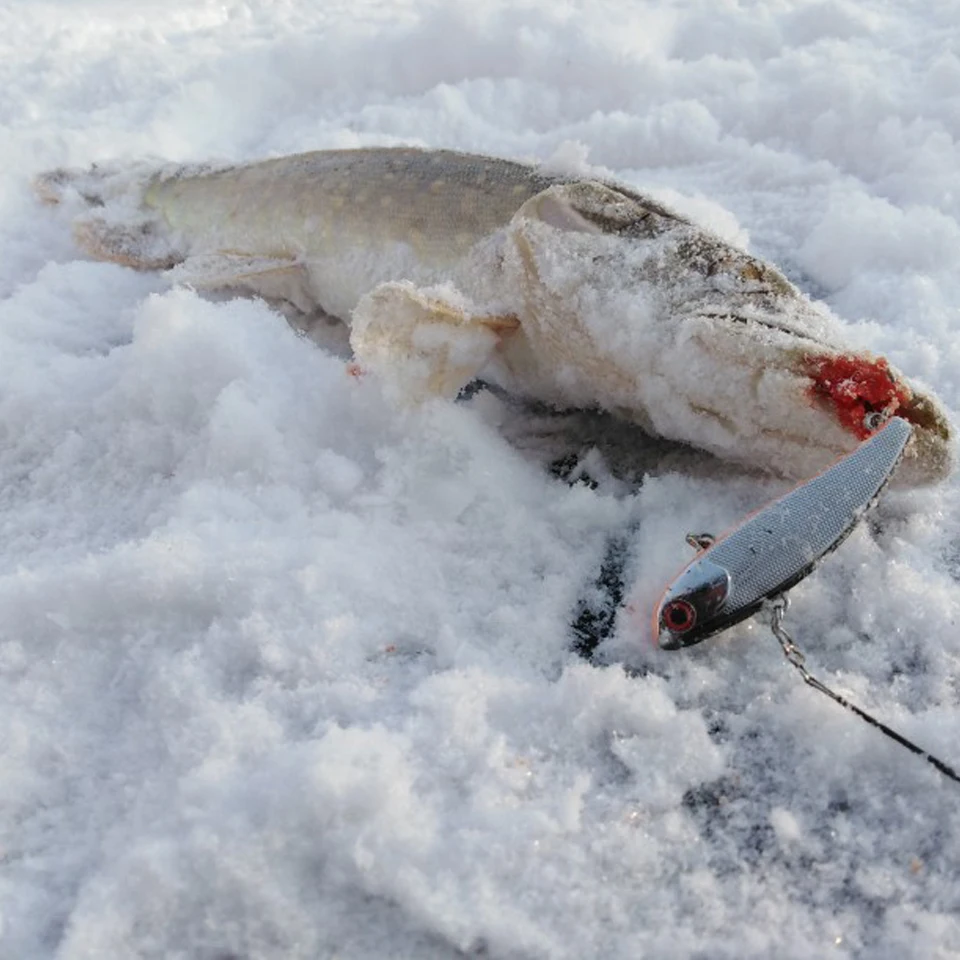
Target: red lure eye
point(679, 616)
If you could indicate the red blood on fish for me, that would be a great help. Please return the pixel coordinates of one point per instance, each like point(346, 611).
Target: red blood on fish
point(856, 387)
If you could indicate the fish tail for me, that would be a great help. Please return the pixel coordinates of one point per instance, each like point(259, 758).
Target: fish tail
point(136, 244)
point(96, 186)
point(114, 222)
point(50, 185)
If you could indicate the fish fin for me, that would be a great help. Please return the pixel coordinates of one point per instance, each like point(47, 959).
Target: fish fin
point(99, 185)
point(113, 225)
point(136, 243)
point(424, 342)
point(273, 278)
point(93, 185)
point(50, 185)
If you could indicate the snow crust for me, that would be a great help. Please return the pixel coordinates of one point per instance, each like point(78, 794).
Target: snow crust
point(285, 671)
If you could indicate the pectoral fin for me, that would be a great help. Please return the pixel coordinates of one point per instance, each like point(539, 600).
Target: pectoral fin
point(272, 278)
point(424, 342)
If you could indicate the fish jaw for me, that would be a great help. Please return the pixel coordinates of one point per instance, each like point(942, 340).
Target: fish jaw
point(860, 390)
point(863, 391)
point(804, 403)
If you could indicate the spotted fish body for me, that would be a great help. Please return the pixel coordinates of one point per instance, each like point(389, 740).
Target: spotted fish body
point(574, 291)
point(363, 217)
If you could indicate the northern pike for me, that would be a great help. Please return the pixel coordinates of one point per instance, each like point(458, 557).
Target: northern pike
point(574, 291)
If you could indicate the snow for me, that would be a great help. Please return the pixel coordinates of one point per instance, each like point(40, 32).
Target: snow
point(286, 669)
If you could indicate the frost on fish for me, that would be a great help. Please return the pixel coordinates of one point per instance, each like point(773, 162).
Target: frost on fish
point(572, 291)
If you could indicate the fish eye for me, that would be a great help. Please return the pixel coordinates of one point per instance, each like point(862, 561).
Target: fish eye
point(679, 616)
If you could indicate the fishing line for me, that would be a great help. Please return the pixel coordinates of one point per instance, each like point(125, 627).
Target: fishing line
point(751, 568)
point(777, 608)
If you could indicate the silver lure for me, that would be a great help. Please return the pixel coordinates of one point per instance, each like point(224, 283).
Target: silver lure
point(778, 546)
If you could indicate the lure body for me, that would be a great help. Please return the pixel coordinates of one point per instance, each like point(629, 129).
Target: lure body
point(778, 546)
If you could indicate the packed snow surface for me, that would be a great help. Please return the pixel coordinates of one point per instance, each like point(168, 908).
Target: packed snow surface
point(286, 672)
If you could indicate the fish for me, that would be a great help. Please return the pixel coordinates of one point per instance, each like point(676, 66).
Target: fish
point(774, 549)
point(570, 290)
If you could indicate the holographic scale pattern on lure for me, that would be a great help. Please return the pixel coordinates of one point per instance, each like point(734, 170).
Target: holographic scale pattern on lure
point(778, 546)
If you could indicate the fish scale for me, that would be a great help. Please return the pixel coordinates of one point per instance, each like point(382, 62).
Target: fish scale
point(428, 198)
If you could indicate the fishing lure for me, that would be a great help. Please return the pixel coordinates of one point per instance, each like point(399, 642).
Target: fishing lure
point(754, 565)
point(778, 546)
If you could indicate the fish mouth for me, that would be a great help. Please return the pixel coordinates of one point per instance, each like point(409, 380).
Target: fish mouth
point(857, 392)
point(864, 392)
point(861, 391)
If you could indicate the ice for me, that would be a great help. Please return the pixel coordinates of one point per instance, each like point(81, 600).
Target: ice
point(285, 670)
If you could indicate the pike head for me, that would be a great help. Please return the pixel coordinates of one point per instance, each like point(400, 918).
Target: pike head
point(629, 307)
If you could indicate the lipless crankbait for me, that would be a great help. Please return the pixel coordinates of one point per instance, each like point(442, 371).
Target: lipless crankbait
point(773, 550)
point(759, 561)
